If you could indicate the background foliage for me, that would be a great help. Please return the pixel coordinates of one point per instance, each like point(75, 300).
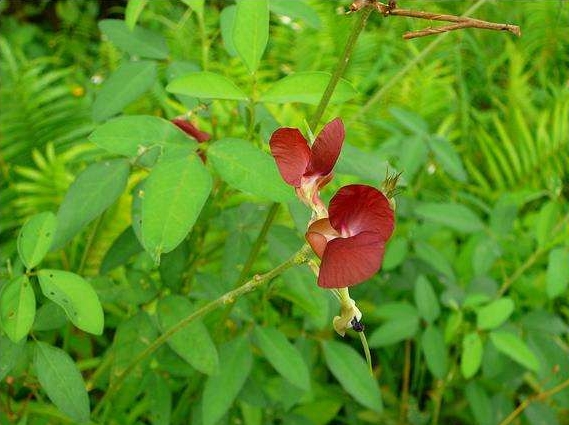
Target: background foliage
point(470, 315)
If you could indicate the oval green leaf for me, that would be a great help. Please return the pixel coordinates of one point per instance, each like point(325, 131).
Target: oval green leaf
point(307, 87)
point(206, 85)
point(122, 87)
point(455, 216)
point(512, 346)
point(283, 356)
point(12, 353)
point(471, 357)
point(557, 278)
point(446, 155)
point(433, 345)
point(350, 369)
point(17, 308)
point(132, 135)
point(249, 169)
point(75, 296)
point(394, 331)
point(201, 352)
point(494, 314)
point(35, 238)
point(136, 41)
point(426, 300)
point(92, 192)
point(61, 380)
point(174, 195)
point(221, 390)
point(251, 31)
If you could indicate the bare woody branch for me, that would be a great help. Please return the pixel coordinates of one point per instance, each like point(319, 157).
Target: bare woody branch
point(459, 22)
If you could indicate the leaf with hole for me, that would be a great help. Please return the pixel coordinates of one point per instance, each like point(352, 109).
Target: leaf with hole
point(17, 308)
point(35, 238)
point(76, 296)
point(61, 380)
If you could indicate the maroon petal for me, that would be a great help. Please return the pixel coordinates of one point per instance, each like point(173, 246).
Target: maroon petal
point(191, 130)
point(359, 208)
point(292, 154)
point(318, 235)
point(349, 261)
point(326, 148)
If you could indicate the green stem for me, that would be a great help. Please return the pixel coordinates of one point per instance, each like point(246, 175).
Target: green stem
point(230, 297)
point(365, 345)
point(340, 67)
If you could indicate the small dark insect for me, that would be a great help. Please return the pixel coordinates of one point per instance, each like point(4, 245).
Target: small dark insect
point(357, 326)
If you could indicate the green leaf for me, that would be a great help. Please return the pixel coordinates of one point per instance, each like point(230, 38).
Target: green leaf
point(92, 192)
point(195, 5)
point(449, 159)
point(74, 295)
point(283, 356)
point(122, 249)
point(351, 370)
point(133, 10)
point(61, 380)
point(480, 403)
point(307, 87)
point(251, 31)
point(426, 300)
point(17, 308)
point(11, 353)
point(201, 352)
point(494, 314)
point(221, 390)
point(471, 357)
point(160, 401)
point(434, 258)
point(433, 345)
point(226, 23)
point(455, 216)
point(298, 9)
point(486, 252)
point(546, 220)
point(206, 85)
point(394, 331)
point(512, 346)
point(136, 41)
point(122, 87)
point(249, 169)
point(174, 195)
point(395, 253)
point(557, 278)
point(35, 238)
point(132, 135)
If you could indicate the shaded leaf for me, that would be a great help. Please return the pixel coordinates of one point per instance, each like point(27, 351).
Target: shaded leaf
point(17, 308)
point(456, 216)
point(557, 278)
point(512, 346)
point(426, 300)
point(433, 345)
point(133, 39)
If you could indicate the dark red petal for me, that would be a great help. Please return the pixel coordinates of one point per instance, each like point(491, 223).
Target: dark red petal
point(191, 130)
point(349, 261)
point(360, 208)
point(292, 154)
point(318, 235)
point(326, 148)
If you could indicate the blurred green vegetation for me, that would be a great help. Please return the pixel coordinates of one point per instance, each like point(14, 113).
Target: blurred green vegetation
point(477, 121)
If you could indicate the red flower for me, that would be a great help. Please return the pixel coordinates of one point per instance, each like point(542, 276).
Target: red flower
point(191, 130)
point(307, 168)
point(351, 241)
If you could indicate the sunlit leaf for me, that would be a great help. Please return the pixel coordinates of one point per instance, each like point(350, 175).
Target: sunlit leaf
point(206, 85)
point(17, 308)
point(251, 31)
point(35, 238)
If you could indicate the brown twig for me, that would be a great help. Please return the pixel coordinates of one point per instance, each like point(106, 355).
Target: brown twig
point(460, 22)
point(538, 397)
